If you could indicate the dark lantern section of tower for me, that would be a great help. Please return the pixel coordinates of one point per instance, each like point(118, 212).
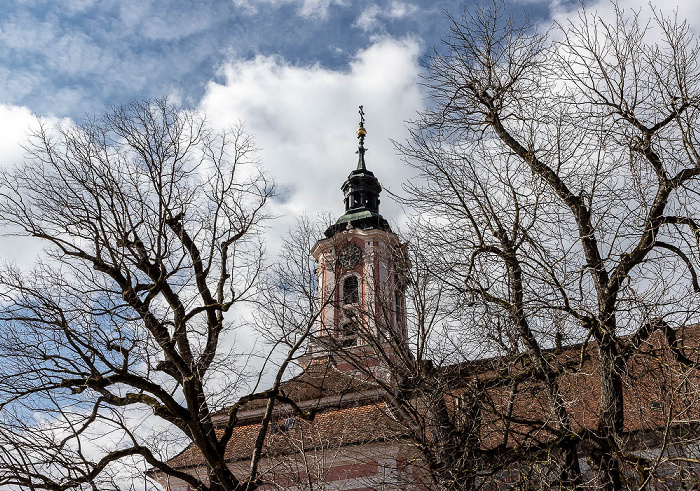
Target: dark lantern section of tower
point(361, 193)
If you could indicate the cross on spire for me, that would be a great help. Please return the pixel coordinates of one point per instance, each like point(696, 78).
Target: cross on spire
point(361, 133)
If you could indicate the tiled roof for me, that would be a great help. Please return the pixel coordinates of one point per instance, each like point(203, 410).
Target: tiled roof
point(654, 383)
point(329, 429)
point(657, 390)
point(319, 380)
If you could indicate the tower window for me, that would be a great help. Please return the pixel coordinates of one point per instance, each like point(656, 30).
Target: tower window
point(351, 291)
point(348, 334)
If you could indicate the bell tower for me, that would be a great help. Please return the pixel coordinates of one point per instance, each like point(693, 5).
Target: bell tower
point(361, 266)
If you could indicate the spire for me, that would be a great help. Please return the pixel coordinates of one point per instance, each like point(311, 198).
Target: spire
point(361, 133)
point(361, 191)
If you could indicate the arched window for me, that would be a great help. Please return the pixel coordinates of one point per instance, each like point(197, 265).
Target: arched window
point(351, 290)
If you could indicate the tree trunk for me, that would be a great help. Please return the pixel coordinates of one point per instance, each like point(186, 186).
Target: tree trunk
point(611, 419)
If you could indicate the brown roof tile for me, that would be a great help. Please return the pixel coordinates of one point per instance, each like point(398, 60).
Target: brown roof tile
point(329, 429)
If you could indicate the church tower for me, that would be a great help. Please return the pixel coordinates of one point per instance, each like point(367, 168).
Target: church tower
point(360, 276)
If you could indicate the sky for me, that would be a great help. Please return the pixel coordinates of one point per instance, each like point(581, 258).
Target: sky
point(292, 71)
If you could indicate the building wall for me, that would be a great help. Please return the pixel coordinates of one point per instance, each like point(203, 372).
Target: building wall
point(376, 466)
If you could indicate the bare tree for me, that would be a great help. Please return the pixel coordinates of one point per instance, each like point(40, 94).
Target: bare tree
point(119, 338)
point(552, 286)
point(558, 176)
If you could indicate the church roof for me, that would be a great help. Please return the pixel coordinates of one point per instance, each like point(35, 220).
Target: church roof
point(657, 390)
point(332, 428)
point(321, 380)
point(653, 389)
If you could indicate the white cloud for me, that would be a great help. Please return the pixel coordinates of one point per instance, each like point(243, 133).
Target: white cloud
point(368, 18)
point(399, 10)
point(15, 123)
point(148, 19)
point(686, 9)
point(306, 8)
point(73, 7)
point(371, 17)
point(56, 48)
point(312, 8)
point(305, 118)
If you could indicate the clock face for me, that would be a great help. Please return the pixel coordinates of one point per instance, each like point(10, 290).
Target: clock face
point(350, 256)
